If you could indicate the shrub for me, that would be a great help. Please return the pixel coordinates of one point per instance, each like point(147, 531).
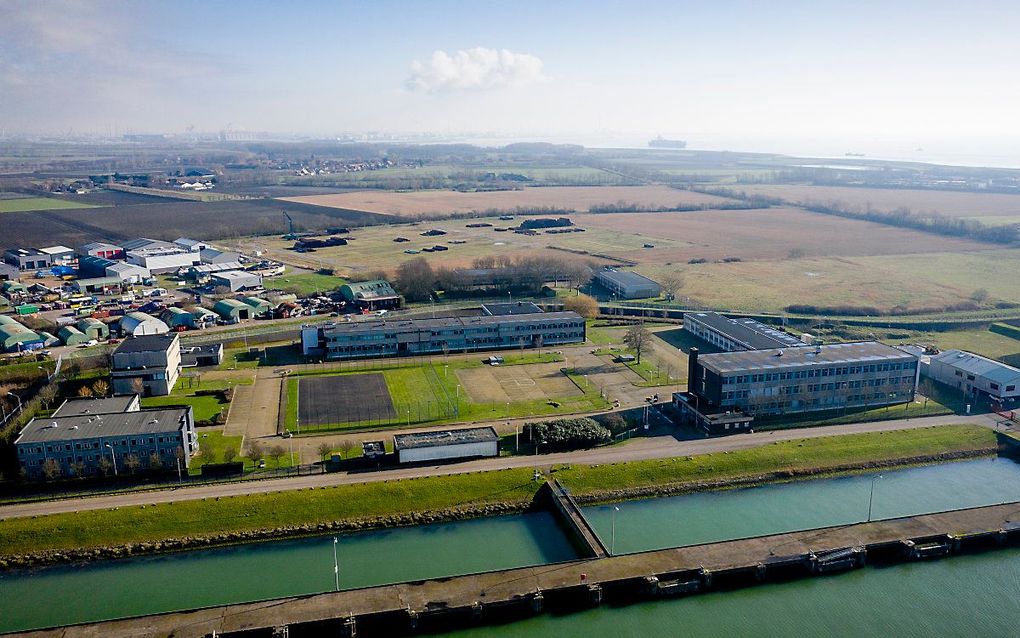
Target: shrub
point(568, 434)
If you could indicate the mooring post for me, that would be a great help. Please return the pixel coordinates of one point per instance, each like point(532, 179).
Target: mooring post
point(759, 572)
point(538, 602)
point(595, 594)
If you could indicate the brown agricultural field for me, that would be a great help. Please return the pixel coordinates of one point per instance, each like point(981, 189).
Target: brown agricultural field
point(770, 233)
point(952, 204)
point(439, 203)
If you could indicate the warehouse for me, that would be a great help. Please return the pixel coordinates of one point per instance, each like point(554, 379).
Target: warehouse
point(101, 249)
point(202, 318)
point(71, 336)
point(376, 294)
point(146, 365)
point(15, 337)
point(94, 328)
point(796, 380)
point(975, 375)
point(236, 280)
point(158, 256)
point(440, 335)
point(27, 258)
point(232, 310)
point(213, 256)
point(100, 285)
point(59, 254)
point(107, 443)
point(419, 447)
point(259, 307)
point(624, 284)
point(177, 318)
point(734, 335)
point(138, 324)
point(128, 272)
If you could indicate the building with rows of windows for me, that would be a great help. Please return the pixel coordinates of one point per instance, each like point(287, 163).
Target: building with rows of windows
point(733, 387)
point(398, 337)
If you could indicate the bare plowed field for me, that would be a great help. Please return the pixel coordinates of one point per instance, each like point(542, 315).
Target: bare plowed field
point(985, 205)
point(510, 384)
point(438, 203)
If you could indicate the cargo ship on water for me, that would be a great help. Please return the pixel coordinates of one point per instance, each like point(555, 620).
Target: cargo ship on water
point(661, 142)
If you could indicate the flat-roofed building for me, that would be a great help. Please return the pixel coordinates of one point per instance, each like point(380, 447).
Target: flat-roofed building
point(383, 338)
point(624, 284)
point(27, 258)
point(101, 249)
point(147, 365)
point(236, 280)
point(91, 443)
point(418, 447)
point(976, 375)
point(59, 254)
point(795, 380)
point(77, 406)
point(733, 335)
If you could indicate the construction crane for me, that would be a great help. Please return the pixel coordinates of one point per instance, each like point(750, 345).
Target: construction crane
point(290, 226)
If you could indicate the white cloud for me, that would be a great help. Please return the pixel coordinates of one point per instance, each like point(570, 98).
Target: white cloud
point(475, 69)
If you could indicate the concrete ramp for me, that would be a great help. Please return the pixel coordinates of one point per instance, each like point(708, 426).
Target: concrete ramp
point(566, 507)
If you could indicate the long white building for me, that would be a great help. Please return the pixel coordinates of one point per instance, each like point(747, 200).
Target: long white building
point(975, 375)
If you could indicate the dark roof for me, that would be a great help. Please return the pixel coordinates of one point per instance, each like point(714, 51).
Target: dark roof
point(445, 437)
point(753, 360)
point(444, 322)
point(625, 278)
point(41, 430)
point(146, 343)
point(751, 334)
point(107, 405)
point(516, 308)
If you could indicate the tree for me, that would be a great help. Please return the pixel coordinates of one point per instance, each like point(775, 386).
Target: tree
point(324, 450)
point(48, 394)
point(671, 283)
point(51, 469)
point(255, 452)
point(155, 462)
point(637, 339)
point(100, 387)
point(583, 305)
point(347, 445)
point(78, 469)
point(105, 465)
point(415, 279)
point(277, 452)
point(980, 295)
point(132, 462)
point(229, 454)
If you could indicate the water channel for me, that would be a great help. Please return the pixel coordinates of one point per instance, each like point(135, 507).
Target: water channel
point(110, 589)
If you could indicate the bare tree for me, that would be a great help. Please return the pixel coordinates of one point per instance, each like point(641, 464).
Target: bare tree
point(671, 283)
point(277, 452)
point(51, 469)
point(105, 465)
point(48, 394)
point(637, 339)
point(155, 462)
point(256, 451)
point(101, 387)
point(415, 279)
point(132, 462)
point(229, 454)
point(84, 391)
point(324, 450)
point(347, 445)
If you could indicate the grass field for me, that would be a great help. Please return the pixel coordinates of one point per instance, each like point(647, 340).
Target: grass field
point(955, 204)
point(439, 203)
point(185, 393)
point(26, 204)
point(206, 517)
point(305, 284)
point(780, 456)
point(436, 393)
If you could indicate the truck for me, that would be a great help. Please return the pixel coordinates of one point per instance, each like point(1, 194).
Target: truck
point(26, 309)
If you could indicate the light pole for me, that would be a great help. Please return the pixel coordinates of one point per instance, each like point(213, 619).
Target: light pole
point(871, 498)
point(517, 436)
point(290, 442)
point(612, 543)
point(336, 565)
point(113, 456)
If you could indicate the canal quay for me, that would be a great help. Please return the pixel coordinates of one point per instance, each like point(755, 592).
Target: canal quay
point(504, 595)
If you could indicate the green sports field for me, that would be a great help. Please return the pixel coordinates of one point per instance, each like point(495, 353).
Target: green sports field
point(26, 204)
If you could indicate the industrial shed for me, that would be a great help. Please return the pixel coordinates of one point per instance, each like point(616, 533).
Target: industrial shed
point(94, 328)
point(624, 284)
point(975, 375)
point(138, 324)
point(374, 295)
point(202, 318)
point(232, 310)
point(16, 337)
point(177, 318)
point(259, 307)
point(236, 280)
point(71, 336)
point(448, 444)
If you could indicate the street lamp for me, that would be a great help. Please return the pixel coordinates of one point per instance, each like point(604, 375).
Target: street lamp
point(871, 498)
point(113, 456)
point(612, 543)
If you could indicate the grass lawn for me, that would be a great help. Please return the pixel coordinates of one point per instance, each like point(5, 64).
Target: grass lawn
point(259, 511)
point(828, 451)
point(600, 334)
point(649, 369)
point(188, 518)
point(932, 407)
point(426, 393)
point(24, 204)
point(306, 284)
point(205, 407)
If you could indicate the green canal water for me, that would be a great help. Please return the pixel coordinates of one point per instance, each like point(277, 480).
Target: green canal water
point(959, 597)
point(78, 593)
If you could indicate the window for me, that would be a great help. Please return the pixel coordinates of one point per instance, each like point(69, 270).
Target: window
point(994, 386)
point(1010, 388)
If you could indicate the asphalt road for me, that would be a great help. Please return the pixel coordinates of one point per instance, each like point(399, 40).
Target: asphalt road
point(637, 449)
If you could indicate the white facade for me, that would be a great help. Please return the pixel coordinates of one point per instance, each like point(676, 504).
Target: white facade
point(975, 375)
point(452, 451)
point(128, 272)
point(162, 260)
point(139, 324)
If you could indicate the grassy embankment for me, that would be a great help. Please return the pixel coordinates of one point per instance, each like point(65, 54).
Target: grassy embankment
point(112, 527)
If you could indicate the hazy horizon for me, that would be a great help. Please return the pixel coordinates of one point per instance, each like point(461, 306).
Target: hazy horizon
point(789, 77)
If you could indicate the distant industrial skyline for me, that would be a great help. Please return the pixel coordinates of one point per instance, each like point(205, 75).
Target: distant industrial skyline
point(912, 80)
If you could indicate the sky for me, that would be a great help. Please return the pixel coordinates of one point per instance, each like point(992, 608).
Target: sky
point(726, 74)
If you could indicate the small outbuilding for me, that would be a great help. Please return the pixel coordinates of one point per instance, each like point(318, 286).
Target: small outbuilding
point(178, 318)
point(94, 328)
point(137, 324)
point(446, 445)
point(260, 307)
point(377, 294)
point(232, 310)
point(71, 336)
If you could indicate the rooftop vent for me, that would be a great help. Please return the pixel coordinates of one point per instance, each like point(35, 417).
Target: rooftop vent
point(779, 354)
